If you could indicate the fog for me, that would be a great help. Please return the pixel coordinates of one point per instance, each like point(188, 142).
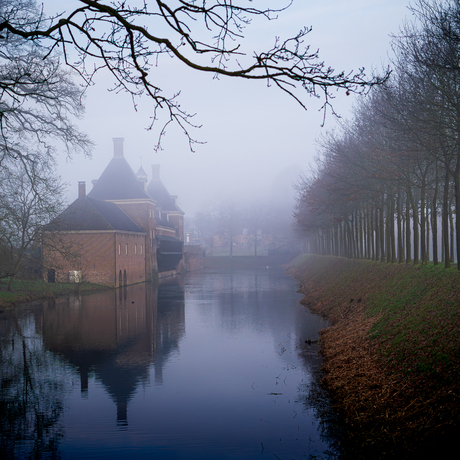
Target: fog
point(255, 138)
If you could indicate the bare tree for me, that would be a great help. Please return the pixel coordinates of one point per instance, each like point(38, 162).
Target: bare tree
point(229, 219)
point(254, 216)
point(130, 38)
point(30, 198)
point(38, 99)
point(205, 224)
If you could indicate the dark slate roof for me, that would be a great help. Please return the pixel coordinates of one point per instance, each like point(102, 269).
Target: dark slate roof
point(172, 239)
point(86, 213)
point(118, 182)
point(160, 194)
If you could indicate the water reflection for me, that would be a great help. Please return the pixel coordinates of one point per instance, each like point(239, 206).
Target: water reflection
point(213, 366)
point(33, 384)
point(116, 336)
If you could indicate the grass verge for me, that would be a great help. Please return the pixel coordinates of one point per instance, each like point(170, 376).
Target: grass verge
point(392, 354)
point(27, 291)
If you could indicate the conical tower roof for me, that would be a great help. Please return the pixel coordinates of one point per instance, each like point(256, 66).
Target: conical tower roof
point(159, 193)
point(118, 181)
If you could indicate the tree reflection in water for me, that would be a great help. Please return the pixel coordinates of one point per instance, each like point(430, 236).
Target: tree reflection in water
point(32, 388)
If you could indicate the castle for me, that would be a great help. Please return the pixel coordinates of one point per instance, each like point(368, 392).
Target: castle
point(124, 231)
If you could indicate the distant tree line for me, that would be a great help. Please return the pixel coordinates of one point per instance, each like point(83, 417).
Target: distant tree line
point(260, 221)
point(386, 186)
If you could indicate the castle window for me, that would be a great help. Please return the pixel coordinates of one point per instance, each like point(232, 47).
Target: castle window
point(135, 249)
point(142, 247)
point(119, 248)
point(126, 248)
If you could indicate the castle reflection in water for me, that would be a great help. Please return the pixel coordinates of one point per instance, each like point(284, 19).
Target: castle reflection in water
point(116, 336)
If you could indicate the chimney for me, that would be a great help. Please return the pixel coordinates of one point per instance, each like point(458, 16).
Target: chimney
point(81, 189)
point(118, 147)
point(155, 172)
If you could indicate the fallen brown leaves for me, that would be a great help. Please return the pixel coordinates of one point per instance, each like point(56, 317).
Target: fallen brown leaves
point(381, 405)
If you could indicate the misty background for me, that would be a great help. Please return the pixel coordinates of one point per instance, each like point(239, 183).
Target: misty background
point(256, 140)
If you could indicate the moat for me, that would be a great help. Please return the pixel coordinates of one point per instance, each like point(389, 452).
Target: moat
point(212, 365)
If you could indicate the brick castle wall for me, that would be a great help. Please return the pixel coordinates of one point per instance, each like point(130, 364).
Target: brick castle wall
point(100, 256)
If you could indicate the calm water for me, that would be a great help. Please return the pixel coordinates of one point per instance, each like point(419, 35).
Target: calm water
point(213, 366)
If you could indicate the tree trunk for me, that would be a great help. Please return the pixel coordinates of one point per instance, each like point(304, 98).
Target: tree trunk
point(423, 257)
point(452, 234)
point(371, 234)
point(10, 283)
point(399, 229)
point(403, 236)
point(434, 220)
point(408, 234)
point(457, 209)
point(445, 221)
point(415, 227)
point(382, 231)
point(427, 232)
point(388, 230)
point(392, 230)
point(377, 234)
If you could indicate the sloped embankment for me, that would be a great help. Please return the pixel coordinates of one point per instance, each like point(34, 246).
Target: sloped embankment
point(392, 354)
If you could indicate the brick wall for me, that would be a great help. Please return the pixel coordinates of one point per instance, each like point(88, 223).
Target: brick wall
point(143, 213)
point(98, 257)
point(130, 258)
point(193, 257)
point(92, 253)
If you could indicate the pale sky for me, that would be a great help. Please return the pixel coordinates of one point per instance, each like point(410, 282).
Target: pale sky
point(252, 133)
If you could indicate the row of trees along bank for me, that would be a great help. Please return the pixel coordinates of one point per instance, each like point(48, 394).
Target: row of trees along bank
point(386, 186)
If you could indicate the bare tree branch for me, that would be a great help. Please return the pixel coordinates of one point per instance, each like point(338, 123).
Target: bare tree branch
point(128, 37)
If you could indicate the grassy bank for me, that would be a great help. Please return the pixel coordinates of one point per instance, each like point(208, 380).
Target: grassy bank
point(392, 354)
point(28, 291)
